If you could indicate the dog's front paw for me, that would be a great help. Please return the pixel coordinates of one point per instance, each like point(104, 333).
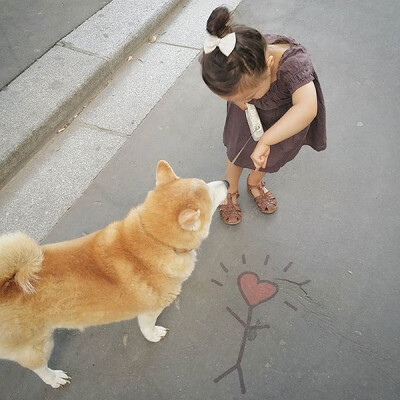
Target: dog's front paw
point(57, 378)
point(156, 334)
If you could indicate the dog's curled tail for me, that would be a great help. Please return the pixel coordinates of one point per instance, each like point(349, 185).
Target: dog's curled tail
point(20, 261)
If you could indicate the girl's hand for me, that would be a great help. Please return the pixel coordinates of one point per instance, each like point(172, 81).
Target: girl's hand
point(260, 155)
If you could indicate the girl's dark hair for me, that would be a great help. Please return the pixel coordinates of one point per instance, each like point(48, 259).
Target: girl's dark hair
point(223, 74)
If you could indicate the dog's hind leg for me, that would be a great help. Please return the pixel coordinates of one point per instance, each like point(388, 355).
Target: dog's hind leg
point(147, 324)
point(34, 355)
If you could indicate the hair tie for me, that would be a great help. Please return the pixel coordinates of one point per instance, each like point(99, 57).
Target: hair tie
point(225, 44)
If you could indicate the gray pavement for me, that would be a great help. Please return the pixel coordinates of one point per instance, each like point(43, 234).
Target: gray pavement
point(30, 29)
point(331, 248)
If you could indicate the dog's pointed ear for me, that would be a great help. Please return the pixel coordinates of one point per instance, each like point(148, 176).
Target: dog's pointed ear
point(189, 220)
point(164, 173)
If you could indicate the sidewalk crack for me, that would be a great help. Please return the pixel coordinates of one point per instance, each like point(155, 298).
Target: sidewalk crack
point(179, 45)
point(101, 129)
point(70, 46)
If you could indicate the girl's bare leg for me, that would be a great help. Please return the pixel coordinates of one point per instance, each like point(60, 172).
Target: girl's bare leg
point(254, 179)
point(233, 173)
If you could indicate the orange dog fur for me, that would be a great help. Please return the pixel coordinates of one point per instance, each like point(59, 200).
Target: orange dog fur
point(133, 267)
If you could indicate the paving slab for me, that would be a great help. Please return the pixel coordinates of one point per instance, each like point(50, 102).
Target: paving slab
point(331, 249)
point(120, 26)
point(137, 87)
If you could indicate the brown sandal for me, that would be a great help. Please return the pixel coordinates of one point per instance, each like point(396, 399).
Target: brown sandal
point(230, 213)
point(266, 201)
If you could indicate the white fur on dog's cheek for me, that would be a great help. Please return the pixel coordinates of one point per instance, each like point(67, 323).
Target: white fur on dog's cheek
point(218, 192)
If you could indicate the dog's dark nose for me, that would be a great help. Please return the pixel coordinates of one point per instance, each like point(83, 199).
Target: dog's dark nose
point(226, 184)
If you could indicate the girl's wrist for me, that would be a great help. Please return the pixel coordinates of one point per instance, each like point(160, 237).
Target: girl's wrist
point(264, 139)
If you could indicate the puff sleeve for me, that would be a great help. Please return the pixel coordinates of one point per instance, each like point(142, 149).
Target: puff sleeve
point(296, 70)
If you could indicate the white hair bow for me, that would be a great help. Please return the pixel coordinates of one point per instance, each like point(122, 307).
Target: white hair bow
point(225, 44)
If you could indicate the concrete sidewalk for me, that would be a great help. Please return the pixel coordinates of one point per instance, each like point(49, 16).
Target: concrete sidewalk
point(40, 193)
point(331, 248)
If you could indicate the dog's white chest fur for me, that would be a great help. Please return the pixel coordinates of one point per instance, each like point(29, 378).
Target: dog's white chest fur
point(183, 265)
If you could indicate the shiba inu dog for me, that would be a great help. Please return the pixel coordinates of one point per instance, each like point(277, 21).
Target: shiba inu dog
point(133, 267)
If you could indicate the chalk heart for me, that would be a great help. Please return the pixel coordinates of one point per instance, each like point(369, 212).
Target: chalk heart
point(255, 291)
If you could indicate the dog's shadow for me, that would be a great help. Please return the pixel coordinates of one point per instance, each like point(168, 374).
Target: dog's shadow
point(117, 345)
point(63, 341)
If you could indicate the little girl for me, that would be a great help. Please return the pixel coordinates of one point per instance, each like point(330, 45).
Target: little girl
point(275, 74)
